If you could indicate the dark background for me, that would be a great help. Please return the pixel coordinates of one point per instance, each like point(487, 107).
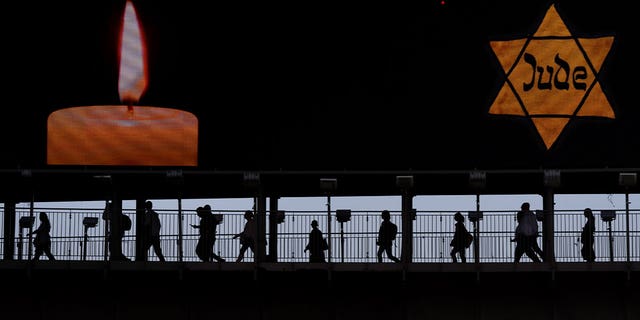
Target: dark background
point(318, 86)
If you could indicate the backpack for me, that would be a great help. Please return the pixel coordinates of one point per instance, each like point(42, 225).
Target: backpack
point(468, 238)
point(126, 222)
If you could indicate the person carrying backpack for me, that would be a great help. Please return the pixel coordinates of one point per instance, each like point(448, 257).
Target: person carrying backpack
point(317, 244)
point(386, 235)
point(527, 235)
point(118, 223)
point(461, 239)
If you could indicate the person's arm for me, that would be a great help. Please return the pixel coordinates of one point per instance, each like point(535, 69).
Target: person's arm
point(38, 229)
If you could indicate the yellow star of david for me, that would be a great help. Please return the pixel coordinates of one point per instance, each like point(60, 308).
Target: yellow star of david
point(552, 77)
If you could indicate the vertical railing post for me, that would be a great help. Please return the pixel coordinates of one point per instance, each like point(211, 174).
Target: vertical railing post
point(627, 180)
point(105, 182)
point(405, 183)
point(626, 202)
point(476, 232)
point(610, 240)
point(84, 243)
point(328, 186)
point(273, 229)
point(342, 216)
point(9, 230)
point(107, 230)
point(175, 178)
point(341, 241)
point(142, 235)
point(180, 217)
point(31, 215)
point(548, 223)
point(477, 182)
point(261, 221)
point(330, 250)
point(551, 180)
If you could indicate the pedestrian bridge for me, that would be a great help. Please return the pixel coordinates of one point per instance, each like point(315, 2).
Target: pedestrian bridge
point(280, 283)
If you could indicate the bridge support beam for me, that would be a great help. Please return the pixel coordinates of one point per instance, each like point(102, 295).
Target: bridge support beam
point(548, 225)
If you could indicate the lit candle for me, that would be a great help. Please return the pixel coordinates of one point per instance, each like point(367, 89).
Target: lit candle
point(124, 134)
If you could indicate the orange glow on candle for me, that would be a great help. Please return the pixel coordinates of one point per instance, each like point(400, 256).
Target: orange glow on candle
point(124, 134)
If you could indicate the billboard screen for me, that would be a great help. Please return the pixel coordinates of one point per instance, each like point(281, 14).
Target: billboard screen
point(454, 85)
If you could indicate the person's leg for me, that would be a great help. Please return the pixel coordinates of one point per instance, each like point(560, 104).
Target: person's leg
point(532, 255)
point(592, 251)
point(531, 250)
point(116, 250)
point(380, 251)
point(217, 257)
point(37, 254)
point(519, 251)
point(528, 249)
point(47, 251)
point(214, 255)
point(390, 254)
point(200, 252)
point(463, 255)
point(157, 249)
point(243, 248)
point(454, 259)
point(536, 248)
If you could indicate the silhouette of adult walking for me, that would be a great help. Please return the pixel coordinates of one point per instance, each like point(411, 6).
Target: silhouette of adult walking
point(316, 245)
point(526, 234)
point(119, 224)
point(42, 240)
point(152, 225)
point(460, 241)
point(208, 229)
point(587, 237)
point(386, 235)
point(247, 236)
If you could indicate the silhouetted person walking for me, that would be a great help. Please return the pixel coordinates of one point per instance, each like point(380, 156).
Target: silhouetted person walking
point(201, 246)
point(247, 236)
point(460, 241)
point(526, 234)
point(152, 225)
point(208, 228)
point(386, 235)
point(587, 237)
point(316, 245)
point(119, 223)
point(42, 240)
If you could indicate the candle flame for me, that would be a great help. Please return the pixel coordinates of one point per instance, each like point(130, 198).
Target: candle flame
point(132, 81)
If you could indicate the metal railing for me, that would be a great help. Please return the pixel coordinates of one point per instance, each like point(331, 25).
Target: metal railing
point(351, 241)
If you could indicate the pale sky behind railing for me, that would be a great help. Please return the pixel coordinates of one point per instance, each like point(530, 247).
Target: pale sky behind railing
point(462, 203)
